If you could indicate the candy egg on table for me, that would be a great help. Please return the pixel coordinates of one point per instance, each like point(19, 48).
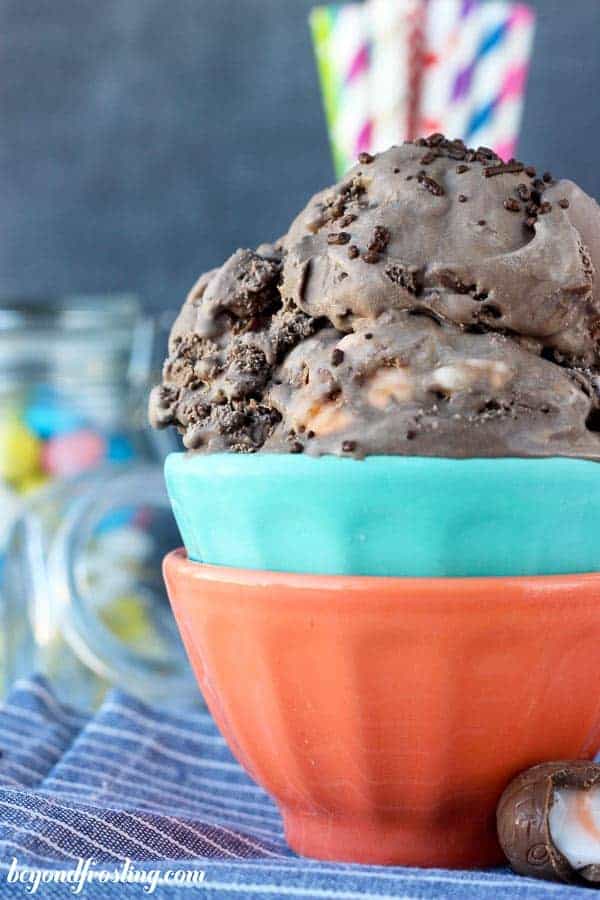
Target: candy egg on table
point(69, 454)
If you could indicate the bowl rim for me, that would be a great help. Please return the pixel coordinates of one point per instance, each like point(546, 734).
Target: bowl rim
point(183, 463)
point(186, 569)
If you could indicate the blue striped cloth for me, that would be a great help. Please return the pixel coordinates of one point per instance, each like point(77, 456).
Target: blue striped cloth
point(163, 791)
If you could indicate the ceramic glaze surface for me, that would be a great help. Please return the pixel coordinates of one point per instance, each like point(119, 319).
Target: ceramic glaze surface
point(394, 516)
point(387, 715)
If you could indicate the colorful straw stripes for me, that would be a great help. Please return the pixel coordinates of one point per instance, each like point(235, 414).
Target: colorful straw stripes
point(343, 51)
point(449, 47)
point(500, 78)
point(394, 69)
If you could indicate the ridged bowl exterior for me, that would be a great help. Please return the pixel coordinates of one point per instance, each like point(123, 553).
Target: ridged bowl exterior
point(387, 715)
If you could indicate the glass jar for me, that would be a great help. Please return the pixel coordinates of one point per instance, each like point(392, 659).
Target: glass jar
point(84, 599)
point(72, 375)
point(80, 495)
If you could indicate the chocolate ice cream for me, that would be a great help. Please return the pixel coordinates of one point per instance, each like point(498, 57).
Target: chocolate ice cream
point(436, 302)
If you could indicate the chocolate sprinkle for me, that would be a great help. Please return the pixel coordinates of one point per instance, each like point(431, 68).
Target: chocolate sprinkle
point(512, 205)
point(564, 203)
point(462, 169)
point(371, 257)
point(462, 198)
point(353, 251)
point(365, 158)
point(296, 447)
point(348, 446)
point(433, 186)
point(337, 357)
point(380, 240)
point(408, 277)
point(340, 237)
point(514, 168)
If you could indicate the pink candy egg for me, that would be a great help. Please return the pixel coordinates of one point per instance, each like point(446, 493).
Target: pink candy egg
point(69, 454)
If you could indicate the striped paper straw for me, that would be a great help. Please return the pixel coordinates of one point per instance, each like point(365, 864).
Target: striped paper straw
point(392, 34)
point(450, 45)
point(342, 46)
point(500, 77)
point(417, 59)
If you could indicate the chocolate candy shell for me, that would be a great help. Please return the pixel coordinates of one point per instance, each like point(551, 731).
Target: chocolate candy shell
point(523, 820)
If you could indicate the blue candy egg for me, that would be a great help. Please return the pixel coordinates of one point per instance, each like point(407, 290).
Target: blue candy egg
point(49, 419)
point(120, 449)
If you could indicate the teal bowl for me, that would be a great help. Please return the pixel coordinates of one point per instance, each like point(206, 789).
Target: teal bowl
point(388, 515)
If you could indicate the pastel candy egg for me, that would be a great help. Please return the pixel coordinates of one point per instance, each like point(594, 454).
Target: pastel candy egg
point(120, 448)
point(70, 454)
point(116, 518)
point(20, 451)
point(127, 618)
point(33, 482)
point(49, 419)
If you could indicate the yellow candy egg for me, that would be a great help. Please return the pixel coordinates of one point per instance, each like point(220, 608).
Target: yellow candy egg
point(32, 482)
point(126, 618)
point(20, 452)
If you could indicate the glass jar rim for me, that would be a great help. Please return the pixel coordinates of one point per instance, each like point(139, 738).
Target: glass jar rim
point(70, 312)
point(96, 339)
point(92, 641)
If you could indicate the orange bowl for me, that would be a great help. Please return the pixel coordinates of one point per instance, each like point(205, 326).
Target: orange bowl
point(386, 715)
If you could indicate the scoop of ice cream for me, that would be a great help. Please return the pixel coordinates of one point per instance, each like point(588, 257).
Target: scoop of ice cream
point(231, 333)
point(403, 383)
point(473, 240)
point(436, 302)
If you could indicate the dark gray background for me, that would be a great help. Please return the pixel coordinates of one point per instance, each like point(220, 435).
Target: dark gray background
point(143, 140)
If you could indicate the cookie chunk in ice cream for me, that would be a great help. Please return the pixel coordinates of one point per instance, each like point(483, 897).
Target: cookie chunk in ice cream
point(436, 302)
